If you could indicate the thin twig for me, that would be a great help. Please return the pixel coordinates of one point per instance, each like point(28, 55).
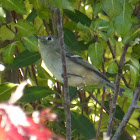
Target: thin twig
point(137, 106)
point(52, 8)
point(113, 54)
point(137, 129)
point(101, 113)
point(64, 74)
point(128, 114)
point(103, 98)
point(117, 88)
point(34, 75)
point(65, 77)
point(116, 121)
point(114, 57)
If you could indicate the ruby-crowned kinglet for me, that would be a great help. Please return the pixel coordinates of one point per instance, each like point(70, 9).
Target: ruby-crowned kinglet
point(79, 71)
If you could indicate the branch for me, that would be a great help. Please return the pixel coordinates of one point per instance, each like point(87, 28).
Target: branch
point(116, 122)
point(102, 105)
point(114, 57)
point(137, 106)
point(101, 113)
point(52, 8)
point(128, 114)
point(117, 88)
point(65, 77)
point(64, 74)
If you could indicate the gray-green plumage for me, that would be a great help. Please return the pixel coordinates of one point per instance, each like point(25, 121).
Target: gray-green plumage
point(80, 72)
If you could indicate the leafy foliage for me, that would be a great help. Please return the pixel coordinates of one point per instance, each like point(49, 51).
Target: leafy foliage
point(96, 30)
point(81, 123)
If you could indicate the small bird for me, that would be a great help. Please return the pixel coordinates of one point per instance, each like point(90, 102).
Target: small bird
point(80, 72)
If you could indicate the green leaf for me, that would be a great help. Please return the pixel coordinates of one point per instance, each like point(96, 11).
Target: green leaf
point(102, 27)
point(45, 14)
point(20, 46)
point(2, 15)
point(72, 42)
point(134, 20)
point(25, 28)
point(131, 35)
point(16, 5)
point(123, 136)
point(119, 114)
point(84, 19)
point(134, 1)
point(39, 25)
point(135, 63)
point(103, 17)
point(95, 52)
point(136, 51)
point(97, 8)
point(66, 5)
point(37, 4)
point(122, 23)
point(8, 53)
point(32, 16)
point(71, 15)
point(31, 43)
point(78, 16)
point(24, 59)
point(2, 19)
point(113, 68)
point(95, 24)
point(70, 39)
point(83, 125)
point(73, 92)
point(6, 34)
point(6, 90)
point(112, 7)
point(83, 27)
point(32, 94)
point(61, 4)
point(42, 73)
point(134, 74)
point(128, 93)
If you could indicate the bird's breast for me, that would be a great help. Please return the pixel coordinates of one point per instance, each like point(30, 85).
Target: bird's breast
point(54, 64)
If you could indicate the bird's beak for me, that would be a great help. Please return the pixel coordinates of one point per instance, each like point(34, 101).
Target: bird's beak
point(36, 36)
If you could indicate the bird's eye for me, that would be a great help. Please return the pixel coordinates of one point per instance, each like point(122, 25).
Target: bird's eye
point(49, 38)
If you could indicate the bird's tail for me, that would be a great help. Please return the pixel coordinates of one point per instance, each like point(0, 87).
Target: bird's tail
point(112, 86)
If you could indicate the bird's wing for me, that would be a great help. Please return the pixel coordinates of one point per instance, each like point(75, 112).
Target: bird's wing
point(79, 60)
